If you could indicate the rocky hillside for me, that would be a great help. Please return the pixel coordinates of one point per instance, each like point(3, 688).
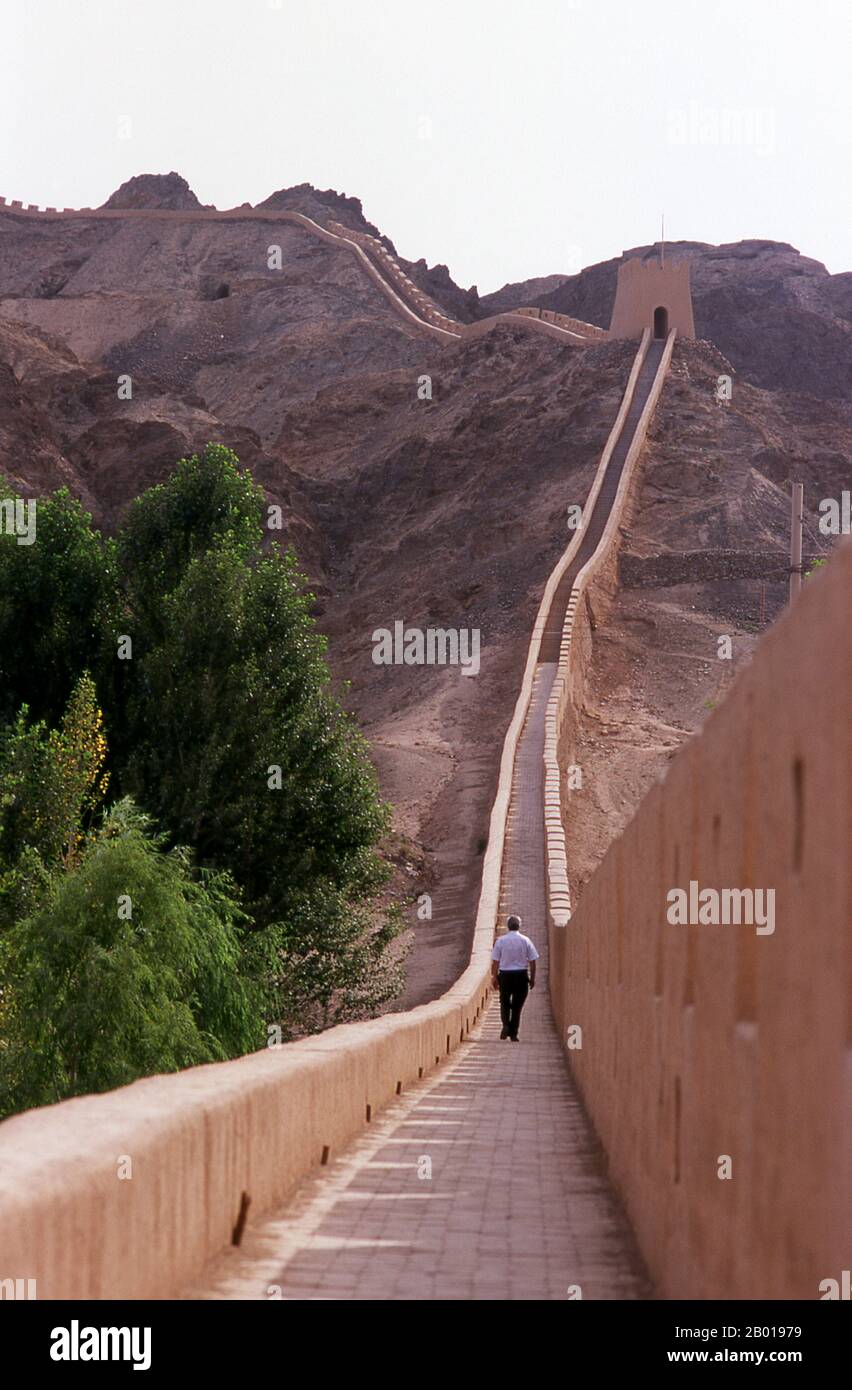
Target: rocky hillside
point(520, 294)
point(326, 205)
point(780, 318)
point(155, 191)
point(445, 510)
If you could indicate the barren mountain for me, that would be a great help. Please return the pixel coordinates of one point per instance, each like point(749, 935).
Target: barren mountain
point(155, 191)
point(520, 294)
point(779, 317)
point(446, 511)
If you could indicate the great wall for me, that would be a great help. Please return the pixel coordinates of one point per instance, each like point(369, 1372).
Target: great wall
point(687, 1033)
point(409, 301)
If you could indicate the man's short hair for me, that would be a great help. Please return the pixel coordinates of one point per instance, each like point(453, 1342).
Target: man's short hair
point(514, 924)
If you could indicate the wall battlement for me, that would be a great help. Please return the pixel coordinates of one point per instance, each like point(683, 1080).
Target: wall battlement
point(653, 296)
point(407, 298)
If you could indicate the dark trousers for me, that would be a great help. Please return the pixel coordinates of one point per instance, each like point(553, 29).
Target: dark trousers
point(514, 986)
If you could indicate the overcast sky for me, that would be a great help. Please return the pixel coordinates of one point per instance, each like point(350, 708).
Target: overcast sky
point(507, 140)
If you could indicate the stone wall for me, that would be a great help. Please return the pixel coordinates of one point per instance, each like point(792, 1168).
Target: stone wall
point(706, 1043)
point(383, 269)
point(586, 330)
point(591, 594)
point(642, 287)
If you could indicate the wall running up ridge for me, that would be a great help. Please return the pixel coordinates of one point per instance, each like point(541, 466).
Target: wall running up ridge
point(705, 1041)
point(407, 298)
point(591, 593)
point(201, 1139)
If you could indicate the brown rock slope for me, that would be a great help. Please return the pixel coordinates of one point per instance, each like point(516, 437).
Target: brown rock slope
point(704, 557)
point(155, 191)
point(779, 317)
point(444, 512)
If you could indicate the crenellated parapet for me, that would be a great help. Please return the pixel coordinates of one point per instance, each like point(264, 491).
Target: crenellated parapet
point(566, 322)
point(410, 301)
point(652, 294)
point(15, 205)
point(390, 267)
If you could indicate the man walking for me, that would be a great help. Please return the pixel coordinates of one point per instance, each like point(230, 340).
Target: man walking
point(513, 954)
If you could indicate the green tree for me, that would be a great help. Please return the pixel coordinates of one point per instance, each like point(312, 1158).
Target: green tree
point(206, 501)
point(223, 725)
point(129, 966)
point(240, 747)
point(58, 603)
point(51, 783)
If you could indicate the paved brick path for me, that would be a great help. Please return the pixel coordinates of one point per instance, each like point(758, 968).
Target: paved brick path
point(484, 1182)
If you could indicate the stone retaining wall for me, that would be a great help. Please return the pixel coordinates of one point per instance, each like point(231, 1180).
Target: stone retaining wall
point(708, 1043)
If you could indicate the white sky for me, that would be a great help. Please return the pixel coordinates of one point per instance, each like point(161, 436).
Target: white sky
point(505, 139)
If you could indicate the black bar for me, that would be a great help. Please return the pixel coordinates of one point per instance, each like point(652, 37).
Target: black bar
point(245, 1340)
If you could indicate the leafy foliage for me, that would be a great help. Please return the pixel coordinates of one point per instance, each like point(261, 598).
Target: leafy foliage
point(51, 781)
point(92, 1000)
point(206, 501)
point(236, 688)
point(334, 963)
point(223, 727)
point(58, 600)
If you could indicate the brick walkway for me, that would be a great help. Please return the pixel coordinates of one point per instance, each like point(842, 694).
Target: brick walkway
point(484, 1182)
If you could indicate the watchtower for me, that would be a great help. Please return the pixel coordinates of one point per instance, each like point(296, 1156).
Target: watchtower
point(652, 294)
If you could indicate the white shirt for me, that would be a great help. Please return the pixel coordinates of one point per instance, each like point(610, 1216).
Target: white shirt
point(514, 951)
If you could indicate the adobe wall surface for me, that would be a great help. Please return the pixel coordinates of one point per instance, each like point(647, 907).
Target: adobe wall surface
point(565, 322)
point(642, 287)
point(704, 1041)
point(197, 1141)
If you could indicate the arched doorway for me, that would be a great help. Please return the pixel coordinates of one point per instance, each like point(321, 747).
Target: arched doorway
point(661, 322)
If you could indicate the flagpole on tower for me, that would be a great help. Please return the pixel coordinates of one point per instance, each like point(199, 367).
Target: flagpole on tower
point(662, 240)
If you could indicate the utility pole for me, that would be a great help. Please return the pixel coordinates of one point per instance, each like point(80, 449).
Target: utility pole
point(796, 523)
